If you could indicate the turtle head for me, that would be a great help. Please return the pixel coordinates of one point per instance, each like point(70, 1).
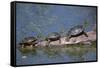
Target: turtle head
point(21, 43)
point(46, 39)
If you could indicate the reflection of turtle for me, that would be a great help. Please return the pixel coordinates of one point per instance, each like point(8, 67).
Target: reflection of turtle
point(76, 31)
point(53, 37)
point(29, 41)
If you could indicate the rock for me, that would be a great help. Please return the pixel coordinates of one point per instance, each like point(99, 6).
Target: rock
point(42, 43)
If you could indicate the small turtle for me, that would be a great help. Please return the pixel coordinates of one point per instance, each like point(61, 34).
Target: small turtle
point(53, 37)
point(76, 31)
point(29, 41)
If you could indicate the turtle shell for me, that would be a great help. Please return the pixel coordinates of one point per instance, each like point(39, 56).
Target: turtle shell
point(29, 40)
point(76, 30)
point(54, 36)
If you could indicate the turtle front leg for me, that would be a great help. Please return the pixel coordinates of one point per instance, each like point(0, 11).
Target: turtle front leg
point(31, 46)
point(22, 46)
point(68, 38)
point(85, 34)
point(48, 42)
point(59, 41)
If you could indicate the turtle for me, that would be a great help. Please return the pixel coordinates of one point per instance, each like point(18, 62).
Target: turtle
point(54, 36)
point(76, 31)
point(28, 41)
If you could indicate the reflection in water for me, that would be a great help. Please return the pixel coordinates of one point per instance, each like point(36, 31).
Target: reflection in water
point(41, 55)
point(28, 51)
point(77, 53)
point(51, 52)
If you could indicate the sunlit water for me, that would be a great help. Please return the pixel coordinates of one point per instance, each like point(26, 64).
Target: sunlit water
point(45, 55)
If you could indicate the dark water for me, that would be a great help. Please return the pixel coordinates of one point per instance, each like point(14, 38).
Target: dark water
point(42, 55)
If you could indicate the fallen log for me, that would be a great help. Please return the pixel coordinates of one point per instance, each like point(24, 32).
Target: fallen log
point(74, 40)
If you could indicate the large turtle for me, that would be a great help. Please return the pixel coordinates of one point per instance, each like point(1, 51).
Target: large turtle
point(29, 41)
point(54, 36)
point(76, 31)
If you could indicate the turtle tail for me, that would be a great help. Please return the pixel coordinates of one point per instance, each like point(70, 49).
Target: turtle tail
point(85, 34)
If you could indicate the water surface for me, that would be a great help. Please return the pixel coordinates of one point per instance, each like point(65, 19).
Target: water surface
point(44, 55)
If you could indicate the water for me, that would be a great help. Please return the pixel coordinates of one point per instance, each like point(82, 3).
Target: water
point(45, 55)
point(40, 20)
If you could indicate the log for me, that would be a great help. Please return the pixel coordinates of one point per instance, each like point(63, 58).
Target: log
point(74, 40)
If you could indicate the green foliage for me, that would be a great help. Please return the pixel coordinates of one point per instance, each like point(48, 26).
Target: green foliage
point(86, 24)
point(62, 30)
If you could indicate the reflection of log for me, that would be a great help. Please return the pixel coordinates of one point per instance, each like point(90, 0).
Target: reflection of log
point(74, 40)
